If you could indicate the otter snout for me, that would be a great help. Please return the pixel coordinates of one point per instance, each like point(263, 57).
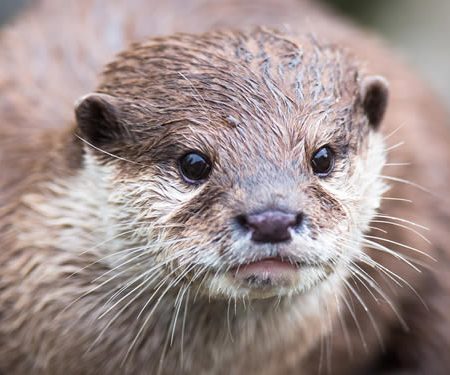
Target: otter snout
point(271, 226)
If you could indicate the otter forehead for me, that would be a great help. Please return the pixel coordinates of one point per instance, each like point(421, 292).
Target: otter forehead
point(219, 91)
point(259, 77)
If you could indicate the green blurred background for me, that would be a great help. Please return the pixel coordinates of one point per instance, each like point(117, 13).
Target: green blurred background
point(418, 29)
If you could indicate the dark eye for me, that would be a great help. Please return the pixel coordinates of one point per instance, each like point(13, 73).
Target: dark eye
point(322, 161)
point(195, 167)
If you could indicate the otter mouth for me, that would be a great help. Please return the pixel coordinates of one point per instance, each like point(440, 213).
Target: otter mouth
point(267, 272)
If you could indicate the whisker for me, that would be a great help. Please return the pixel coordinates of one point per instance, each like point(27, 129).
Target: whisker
point(178, 303)
point(378, 229)
point(407, 182)
point(344, 326)
point(183, 325)
point(404, 227)
point(403, 258)
point(400, 164)
point(108, 153)
point(401, 220)
point(230, 335)
point(374, 285)
point(401, 245)
point(397, 145)
point(393, 132)
point(392, 275)
point(396, 199)
point(366, 309)
point(114, 318)
point(355, 319)
point(149, 315)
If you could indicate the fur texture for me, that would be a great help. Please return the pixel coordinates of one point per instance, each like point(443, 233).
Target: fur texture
point(111, 263)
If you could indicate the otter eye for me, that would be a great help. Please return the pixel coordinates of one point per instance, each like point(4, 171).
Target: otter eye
point(322, 161)
point(195, 167)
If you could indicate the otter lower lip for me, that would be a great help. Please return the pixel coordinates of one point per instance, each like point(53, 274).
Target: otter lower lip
point(265, 271)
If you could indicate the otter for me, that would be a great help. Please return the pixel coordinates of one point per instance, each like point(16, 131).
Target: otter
point(263, 190)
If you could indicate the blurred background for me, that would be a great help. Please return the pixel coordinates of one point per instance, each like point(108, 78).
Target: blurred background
point(418, 29)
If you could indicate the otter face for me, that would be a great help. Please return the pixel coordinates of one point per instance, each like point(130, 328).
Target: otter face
point(249, 170)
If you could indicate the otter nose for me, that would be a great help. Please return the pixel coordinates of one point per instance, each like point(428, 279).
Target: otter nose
point(270, 226)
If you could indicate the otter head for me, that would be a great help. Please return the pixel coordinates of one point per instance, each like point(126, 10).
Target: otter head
point(244, 164)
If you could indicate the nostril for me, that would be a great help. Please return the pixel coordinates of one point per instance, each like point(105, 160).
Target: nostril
point(242, 220)
point(298, 220)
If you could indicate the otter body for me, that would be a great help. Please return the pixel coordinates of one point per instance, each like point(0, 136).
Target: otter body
point(234, 199)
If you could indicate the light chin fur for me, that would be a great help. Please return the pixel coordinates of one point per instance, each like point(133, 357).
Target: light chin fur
point(306, 279)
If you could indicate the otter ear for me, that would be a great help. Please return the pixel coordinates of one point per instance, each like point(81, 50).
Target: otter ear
point(99, 119)
point(374, 98)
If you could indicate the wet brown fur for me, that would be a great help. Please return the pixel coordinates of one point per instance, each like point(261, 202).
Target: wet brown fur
point(42, 329)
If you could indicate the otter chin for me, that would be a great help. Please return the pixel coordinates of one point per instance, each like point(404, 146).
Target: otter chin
point(274, 276)
point(269, 277)
point(266, 272)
